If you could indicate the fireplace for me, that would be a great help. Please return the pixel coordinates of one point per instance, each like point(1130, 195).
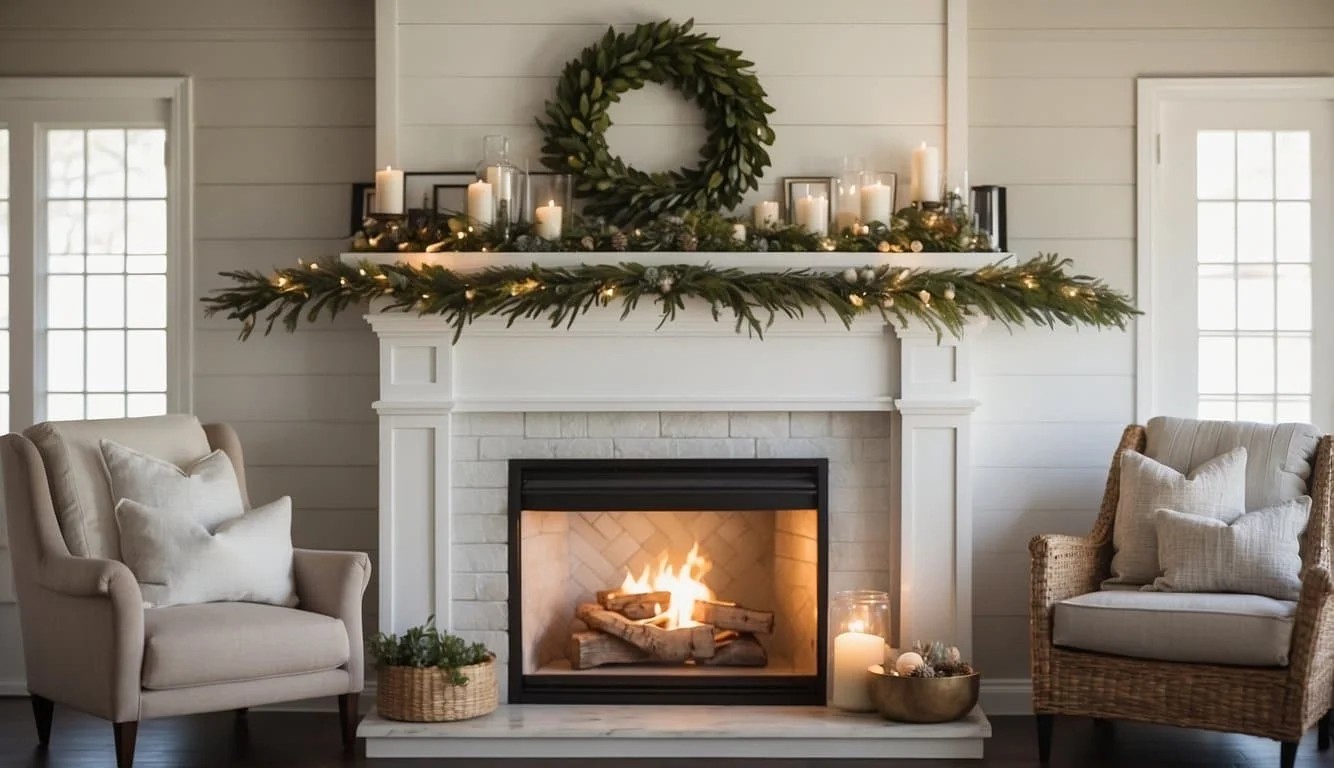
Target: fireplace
point(660, 581)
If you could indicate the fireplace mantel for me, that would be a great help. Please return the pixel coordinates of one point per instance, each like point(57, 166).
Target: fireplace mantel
point(694, 364)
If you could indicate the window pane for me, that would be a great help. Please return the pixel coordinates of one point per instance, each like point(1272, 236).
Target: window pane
point(106, 361)
point(146, 366)
point(1294, 365)
point(106, 406)
point(105, 264)
point(4, 163)
point(4, 362)
point(4, 304)
point(64, 164)
point(106, 301)
point(106, 163)
point(1292, 177)
point(106, 226)
point(1221, 409)
point(64, 226)
point(146, 264)
point(1218, 365)
point(1293, 233)
point(4, 232)
point(1215, 171)
point(146, 405)
point(147, 301)
point(1255, 231)
point(1215, 230)
point(1255, 365)
point(1294, 409)
point(64, 407)
point(1255, 297)
point(147, 226)
point(1255, 165)
point(1217, 298)
point(146, 160)
point(64, 361)
point(1294, 297)
point(1255, 409)
point(64, 301)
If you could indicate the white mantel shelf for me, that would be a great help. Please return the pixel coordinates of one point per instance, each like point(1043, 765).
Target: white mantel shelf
point(776, 261)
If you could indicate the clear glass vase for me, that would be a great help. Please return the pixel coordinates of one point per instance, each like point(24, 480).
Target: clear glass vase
point(499, 172)
point(549, 201)
point(859, 634)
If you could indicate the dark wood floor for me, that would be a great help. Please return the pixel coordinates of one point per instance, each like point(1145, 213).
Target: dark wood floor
point(310, 740)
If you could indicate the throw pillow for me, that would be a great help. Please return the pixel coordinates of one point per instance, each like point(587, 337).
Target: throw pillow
point(207, 489)
point(178, 561)
point(1215, 489)
point(1258, 554)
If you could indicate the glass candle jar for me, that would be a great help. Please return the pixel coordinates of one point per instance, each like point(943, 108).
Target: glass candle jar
point(498, 177)
point(549, 199)
point(875, 198)
point(859, 629)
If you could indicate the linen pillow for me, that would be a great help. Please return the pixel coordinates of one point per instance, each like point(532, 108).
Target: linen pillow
point(1215, 489)
point(207, 489)
point(1258, 554)
point(178, 561)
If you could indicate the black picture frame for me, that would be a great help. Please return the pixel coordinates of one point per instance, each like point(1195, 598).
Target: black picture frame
point(363, 204)
point(447, 199)
point(830, 184)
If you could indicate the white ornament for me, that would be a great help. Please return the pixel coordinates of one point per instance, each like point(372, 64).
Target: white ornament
point(915, 246)
point(883, 247)
point(850, 275)
point(868, 275)
point(665, 285)
point(924, 296)
point(887, 301)
point(908, 662)
point(949, 294)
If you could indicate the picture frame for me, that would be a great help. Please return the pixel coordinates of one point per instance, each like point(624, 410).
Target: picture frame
point(419, 192)
point(363, 204)
point(447, 199)
point(794, 186)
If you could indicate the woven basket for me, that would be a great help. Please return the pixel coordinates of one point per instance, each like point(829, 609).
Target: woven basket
point(425, 695)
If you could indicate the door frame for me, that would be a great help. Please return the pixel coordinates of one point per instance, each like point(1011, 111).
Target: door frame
point(1153, 94)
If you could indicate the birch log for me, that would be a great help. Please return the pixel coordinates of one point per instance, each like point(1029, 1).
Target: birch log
point(731, 616)
point(660, 644)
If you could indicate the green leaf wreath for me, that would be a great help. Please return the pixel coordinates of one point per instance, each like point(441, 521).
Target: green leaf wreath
point(717, 79)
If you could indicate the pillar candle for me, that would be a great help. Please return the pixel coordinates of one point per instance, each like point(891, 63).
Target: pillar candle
point(388, 192)
point(766, 215)
point(548, 220)
point(813, 214)
point(926, 174)
point(875, 202)
point(848, 208)
point(739, 233)
point(853, 653)
point(481, 205)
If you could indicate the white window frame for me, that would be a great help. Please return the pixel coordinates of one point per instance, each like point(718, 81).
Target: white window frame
point(178, 93)
point(1153, 95)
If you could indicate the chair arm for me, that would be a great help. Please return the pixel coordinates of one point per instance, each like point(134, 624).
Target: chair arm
point(332, 583)
point(1311, 658)
point(1064, 567)
point(85, 636)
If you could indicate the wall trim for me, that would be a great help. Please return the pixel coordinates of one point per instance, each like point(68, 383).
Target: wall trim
point(1007, 696)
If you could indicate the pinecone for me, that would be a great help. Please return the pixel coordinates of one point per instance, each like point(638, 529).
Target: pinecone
point(926, 670)
point(687, 241)
point(619, 242)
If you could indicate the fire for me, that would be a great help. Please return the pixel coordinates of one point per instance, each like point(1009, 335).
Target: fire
point(684, 584)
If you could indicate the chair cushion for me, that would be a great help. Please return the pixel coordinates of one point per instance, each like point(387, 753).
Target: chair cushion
point(72, 454)
point(190, 645)
point(1278, 456)
point(1246, 630)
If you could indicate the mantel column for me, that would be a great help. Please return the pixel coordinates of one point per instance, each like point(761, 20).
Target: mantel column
point(416, 438)
point(933, 490)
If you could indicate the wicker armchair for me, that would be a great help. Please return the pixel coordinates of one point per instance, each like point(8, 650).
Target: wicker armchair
point(1276, 702)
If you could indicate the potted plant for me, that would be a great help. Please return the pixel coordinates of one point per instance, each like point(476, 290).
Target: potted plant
point(929, 684)
point(429, 676)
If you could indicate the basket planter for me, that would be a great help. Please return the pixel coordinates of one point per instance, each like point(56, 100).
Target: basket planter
point(425, 694)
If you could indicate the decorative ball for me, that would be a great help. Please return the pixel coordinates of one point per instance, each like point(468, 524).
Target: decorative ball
point(908, 662)
point(665, 285)
point(850, 275)
point(949, 294)
point(868, 275)
point(883, 247)
point(924, 296)
point(887, 301)
point(915, 246)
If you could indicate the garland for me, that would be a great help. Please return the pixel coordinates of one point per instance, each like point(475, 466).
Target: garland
point(718, 81)
point(1039, 291)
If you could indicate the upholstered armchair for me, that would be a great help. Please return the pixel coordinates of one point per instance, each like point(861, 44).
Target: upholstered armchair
point(89, 643)
point(1226, 662)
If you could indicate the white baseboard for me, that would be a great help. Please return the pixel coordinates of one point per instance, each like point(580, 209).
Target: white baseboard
point(14, 687)
point(1007, 696)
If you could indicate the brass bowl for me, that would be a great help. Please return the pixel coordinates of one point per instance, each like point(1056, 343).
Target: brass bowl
point(923, 699)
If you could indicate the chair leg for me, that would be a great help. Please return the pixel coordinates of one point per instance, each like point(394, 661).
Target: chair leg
point(126, 733)
point(347, 718)
point(1045, 723)
point(42, 711)
point(1322, 733)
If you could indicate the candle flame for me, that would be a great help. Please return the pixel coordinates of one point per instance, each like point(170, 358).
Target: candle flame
point(856, 625)
point(551, 203)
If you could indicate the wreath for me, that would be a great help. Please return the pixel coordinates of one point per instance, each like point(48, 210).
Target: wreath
point(716, 78)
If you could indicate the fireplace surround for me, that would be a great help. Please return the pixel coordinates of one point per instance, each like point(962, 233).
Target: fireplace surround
point(577, 527)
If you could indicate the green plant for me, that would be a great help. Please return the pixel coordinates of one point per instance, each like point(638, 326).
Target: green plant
point(426, 646)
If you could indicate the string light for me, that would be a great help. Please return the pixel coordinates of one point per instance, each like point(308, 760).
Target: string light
point(856, 300)
point(314, 266)
point(924, 296)
point(1028, 282)
point(608, 291)
point(1070, 291)
point(361, 272)
point(281, 281)
point(469, 294)
point(342, 281)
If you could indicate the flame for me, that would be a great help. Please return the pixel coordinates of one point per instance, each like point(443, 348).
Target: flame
point(683, 583)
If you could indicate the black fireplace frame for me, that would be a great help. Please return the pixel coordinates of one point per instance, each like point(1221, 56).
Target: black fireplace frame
point(651, 485)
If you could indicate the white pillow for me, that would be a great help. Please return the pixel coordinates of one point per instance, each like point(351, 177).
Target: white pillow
point(179, 562)
point(1258, 554)
point(1215, 489)
point(207, 489)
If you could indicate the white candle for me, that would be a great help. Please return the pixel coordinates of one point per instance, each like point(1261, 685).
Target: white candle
point(875, 202)
point(481, 205)
point(848, 208)
point(739, 233)
point(766, 215)
point(548, 220)
point(388, 192)
point(854, 651)
point(813, 214)
point(926, 174)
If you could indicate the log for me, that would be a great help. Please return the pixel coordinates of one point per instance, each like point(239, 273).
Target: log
point(593, 649)
point(660, 644)
point(743, 651)
point(732, 616)
point(641, 605)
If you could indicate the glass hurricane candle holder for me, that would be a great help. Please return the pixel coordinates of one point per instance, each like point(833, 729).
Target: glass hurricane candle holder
point(549, 194)
point(875, 198)
point(847, 202)
point(859, 630)
point(501, 178)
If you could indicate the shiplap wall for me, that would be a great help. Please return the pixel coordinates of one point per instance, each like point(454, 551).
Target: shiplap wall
point(284, 122)
point(1052, 113)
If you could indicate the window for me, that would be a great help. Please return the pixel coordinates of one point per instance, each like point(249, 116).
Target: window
point(98, 240)
point(4, 279)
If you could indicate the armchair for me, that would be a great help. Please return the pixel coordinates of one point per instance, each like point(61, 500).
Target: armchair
point(90, 644)
point(1275, 700)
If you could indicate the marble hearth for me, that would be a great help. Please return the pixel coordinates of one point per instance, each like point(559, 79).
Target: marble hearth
point(889, 408)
